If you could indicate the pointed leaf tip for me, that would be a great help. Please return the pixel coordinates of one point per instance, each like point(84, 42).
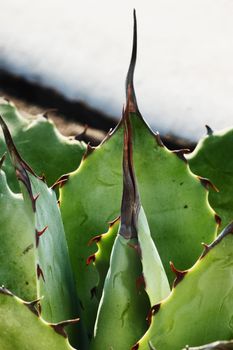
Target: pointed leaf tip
point(129, 85)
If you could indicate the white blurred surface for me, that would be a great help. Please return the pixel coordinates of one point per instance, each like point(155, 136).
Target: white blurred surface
point(184, 72)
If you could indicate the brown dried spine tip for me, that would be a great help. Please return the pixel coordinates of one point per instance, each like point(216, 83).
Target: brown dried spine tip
point(90, 259)
point(40, 233)
point(140, 283)
point(179, 274)
point(89, 151)
point(111, 223)
point(95, 239)
point(59, 327)
point(207, 183)
point(209, 130)
point(39, 272)
point(60, 182)
point(135, 347)
point(152, 312)
point(181, 152)
point(218, 219)
point(32, 306)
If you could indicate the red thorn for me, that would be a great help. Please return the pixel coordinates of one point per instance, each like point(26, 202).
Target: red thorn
point(179, 274)
point(60, 182)
point(140, 282)
point(35, 198)
point(59, 327)
point(39, 272)
point(218, 219)
point(90, 259)
point(31, 305)
point(2, 160)
point(89, 150)
point(111, 223)
point(135, 347)
point(152, 312)
point(207, 183)
point(95, 239)
point(40, 233)
point(180, 153)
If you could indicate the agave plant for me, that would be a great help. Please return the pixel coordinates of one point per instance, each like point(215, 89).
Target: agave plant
point(147, 282)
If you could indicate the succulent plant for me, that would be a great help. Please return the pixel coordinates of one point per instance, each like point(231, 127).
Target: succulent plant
point(116, 290)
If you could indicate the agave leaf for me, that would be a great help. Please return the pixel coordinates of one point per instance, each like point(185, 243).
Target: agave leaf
point(55, 282)
point(124, 305)
point(174, 200)
point(213, 159)
point(123, 308)
point(22, 328)
point(40, 144)
point(17, 259)
point(155, 278)
point(199, 309)
point(101, 258)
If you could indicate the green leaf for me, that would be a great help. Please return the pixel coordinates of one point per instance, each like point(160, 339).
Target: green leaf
point(55, 282)
point(174, 200)
point(17, 257)
point(22, 328)
point(40, 144)
point(213, 159)
point(199, 309)
point(121, 317)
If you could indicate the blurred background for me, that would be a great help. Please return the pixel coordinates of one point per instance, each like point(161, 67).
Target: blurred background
point(74, 55)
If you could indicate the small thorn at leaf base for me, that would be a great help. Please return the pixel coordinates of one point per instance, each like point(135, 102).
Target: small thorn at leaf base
point(59, 327)
point(209, 130)
point(179, 274)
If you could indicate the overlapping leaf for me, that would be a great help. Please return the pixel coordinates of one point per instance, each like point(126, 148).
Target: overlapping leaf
point(40, 144)
point(213, 158)
point(174, 200)
point(55, 283)
point(17, 256)
point(22, 328)
point(200, 308)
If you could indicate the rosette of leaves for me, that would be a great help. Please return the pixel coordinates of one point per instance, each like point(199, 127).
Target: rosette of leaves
point(122, 294)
